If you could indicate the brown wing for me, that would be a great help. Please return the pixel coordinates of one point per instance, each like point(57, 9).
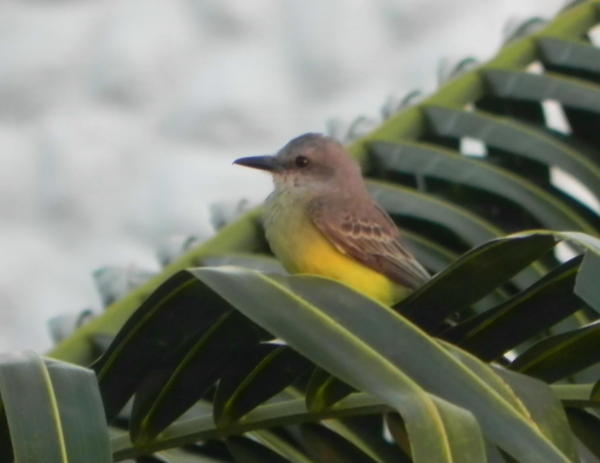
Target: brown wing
point(370, 236)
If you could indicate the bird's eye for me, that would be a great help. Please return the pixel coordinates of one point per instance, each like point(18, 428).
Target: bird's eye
point(301, 161)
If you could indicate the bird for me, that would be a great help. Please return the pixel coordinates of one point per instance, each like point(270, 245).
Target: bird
point(320, 219)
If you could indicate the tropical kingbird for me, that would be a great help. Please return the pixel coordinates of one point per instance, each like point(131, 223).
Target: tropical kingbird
point(320, 219)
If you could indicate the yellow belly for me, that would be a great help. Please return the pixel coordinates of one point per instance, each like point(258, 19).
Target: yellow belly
point(302, 248)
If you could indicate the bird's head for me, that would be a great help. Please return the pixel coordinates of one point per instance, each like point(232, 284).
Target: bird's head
point(311, 162)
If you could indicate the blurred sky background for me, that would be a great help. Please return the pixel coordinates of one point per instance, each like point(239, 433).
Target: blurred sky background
point(119, 119)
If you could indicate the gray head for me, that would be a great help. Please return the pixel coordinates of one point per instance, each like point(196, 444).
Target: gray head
point(311, 162)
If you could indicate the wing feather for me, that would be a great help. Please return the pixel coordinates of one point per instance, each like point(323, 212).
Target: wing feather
point(369, 235)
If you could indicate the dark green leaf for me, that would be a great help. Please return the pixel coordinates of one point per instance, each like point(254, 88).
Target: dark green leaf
point(532, 397)
point(324, 390)
point(586, 427)
point(516, 138)
point(367, 433)
point(246, 385)
point(570, 54)
point(54, 412)
point(281, 444)
point(177, 383)
point(407, 202)
point(544, 408)
point(247, 451)
point(434, 162)
point(576, 395)
point(535, 87)
point(562, 355)
point(430, 254)
point(586, 284)
point(411, 404)
point(476, 273)
point(275, 414)
point(144, 339)
point(540, 306)
point(397, 429)
point(6, 452)
point(333, 311)
point(185, 456)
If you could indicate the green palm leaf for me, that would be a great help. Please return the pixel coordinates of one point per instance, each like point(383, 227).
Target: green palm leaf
point(53, 410)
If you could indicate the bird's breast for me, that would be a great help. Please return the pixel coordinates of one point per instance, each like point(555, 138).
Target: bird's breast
point(302, 248)
point(290, 232)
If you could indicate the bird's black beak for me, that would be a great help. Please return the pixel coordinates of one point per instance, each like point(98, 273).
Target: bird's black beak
point(269, 163)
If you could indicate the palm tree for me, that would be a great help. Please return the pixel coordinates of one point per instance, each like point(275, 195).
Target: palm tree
point(227, 358)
